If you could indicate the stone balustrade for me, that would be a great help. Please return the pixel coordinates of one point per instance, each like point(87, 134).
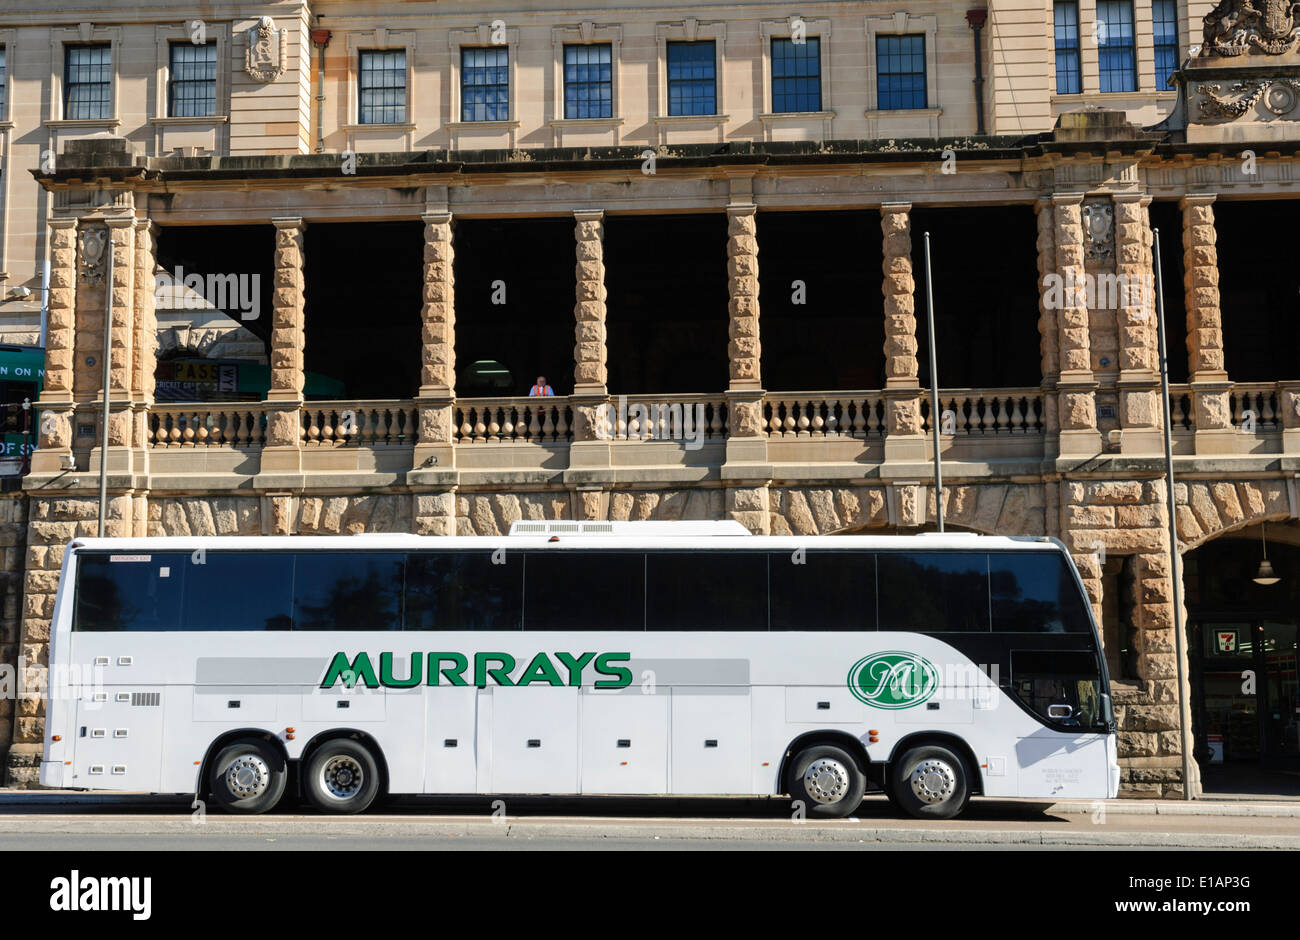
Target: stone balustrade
point(988, 413)
point(368, 423)
point(235, 424)
point(513, 420)
point(673, 417)
point(813, 414)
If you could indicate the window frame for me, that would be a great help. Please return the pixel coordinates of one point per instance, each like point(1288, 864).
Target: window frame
point(109, 83)
point(1059, 49)
point(171, 80)
point(690, 30)
point(1158, 47)
point(481, 36)
point(668, 63)
point(565, 83)
point(880, 74)
point(772, 89)
point(361, 54)
point(1105, 74)
point(586, 33)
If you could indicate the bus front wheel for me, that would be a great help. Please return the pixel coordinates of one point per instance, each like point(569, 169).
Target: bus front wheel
point(827, 781)
point(930, 783)
point(248, 777)
point(342, 776)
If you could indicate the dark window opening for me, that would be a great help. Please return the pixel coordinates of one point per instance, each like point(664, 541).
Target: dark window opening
point(822, 590)
point(666, 279)
point(823, 321)
point(363, 300)
point(1168, 218)
point(514, 305)
point(584, 591)
point(985, 277)
point(692, 78)
point(464, 591)
point(714, 591)
point(934, 592)
point(348, 591)
point(1035, 593)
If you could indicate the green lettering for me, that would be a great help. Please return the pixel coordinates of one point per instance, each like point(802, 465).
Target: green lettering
point(413, 677)
point(350, 672)
point(604, 668)
point(541, 670)
point(575, 665)
point(501, 674)
point(452, 673)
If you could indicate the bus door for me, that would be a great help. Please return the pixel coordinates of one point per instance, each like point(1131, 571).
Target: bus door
point(118, 741)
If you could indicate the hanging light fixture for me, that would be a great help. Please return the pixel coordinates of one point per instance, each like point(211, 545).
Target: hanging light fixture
point(1266, 575)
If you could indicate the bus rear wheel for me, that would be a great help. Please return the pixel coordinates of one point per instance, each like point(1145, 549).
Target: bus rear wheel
point(248, 776)
point(930, 782)
point(827, 780)
point(342, 776)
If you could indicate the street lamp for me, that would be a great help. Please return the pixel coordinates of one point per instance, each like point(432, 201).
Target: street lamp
point(1266, 576)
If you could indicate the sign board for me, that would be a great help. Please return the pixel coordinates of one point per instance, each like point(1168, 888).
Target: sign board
point(1225, 641)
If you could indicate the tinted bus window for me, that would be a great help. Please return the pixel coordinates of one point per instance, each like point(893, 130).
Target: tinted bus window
point(584, 591)
point(1035, 593)
point(463, 591)
point(694, 590)
point(143, 593)
point(348, 591)
point(239, 591)
point(933, 592)
point(822, 590)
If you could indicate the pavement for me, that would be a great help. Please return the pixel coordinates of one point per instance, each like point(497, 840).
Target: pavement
point(58, 820)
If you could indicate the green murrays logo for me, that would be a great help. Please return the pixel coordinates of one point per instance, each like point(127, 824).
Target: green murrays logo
point(893, 679)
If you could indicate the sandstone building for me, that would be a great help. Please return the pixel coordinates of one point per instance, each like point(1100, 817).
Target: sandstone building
point(703, 222)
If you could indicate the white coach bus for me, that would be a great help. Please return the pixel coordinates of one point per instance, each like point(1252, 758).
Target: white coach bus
point(579, 658)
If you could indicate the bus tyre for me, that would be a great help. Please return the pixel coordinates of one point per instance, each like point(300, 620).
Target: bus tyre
point(248, 777)
point(341, 777)
point(930, 782)
point(827, 781)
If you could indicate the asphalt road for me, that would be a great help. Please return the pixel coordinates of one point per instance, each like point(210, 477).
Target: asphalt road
point(615, 823)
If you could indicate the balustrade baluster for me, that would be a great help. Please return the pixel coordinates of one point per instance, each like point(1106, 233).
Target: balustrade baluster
point(1268, 414)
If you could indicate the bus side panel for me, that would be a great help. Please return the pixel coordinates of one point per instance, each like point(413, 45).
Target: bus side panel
point(1056, 766)
point(451, 741)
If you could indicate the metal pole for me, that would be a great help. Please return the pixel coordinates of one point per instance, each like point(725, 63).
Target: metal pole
point(934, 390)
point(1175, 560)
point(108, 360)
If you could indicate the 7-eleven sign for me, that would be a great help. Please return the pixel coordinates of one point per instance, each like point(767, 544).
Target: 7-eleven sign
point(1227, 640)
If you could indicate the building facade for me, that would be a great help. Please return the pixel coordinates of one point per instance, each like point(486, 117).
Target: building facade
point(706, 225)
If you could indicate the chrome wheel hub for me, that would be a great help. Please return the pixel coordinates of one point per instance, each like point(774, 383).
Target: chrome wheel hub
point(933, 781)
point(342, 777)
point(826, 780)
point(248, 776)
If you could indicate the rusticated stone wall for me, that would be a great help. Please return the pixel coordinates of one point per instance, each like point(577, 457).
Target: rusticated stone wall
point(13, 544)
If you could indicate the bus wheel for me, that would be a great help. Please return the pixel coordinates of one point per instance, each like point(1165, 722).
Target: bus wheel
point(248, 777)
point(930, 783)
point(341, 777)
point(827, 780)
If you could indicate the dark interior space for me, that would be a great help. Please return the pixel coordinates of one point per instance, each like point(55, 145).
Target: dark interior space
point(1168, 218)
point(223, 250)
point(827, 333)
point(363, 306)
point(1259, 289)
point(666, 278)
point(514, 305)
point(985, 295)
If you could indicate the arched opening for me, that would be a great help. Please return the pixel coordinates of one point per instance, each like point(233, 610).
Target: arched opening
point(1241, 650)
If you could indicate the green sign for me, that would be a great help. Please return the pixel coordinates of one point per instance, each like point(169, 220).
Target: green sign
point(893, 680)
point(451, 668)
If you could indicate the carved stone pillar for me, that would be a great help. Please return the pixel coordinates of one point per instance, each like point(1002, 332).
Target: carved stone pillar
point(590, 351)
point(285, 397)
point(54, 432)
point(436, 395)
point(122, 342)
point(1140, 413)
point(746, 431)
point(1076, 383)
point(145, 326)
point(1048, 346)
point(904, 438)
point(1205, 366)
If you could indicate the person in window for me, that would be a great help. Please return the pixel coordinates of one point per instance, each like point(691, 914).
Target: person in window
point(541, 388)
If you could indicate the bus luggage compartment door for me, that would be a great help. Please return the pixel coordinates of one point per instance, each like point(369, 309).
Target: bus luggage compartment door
point(624, 742)
point(118, 743)
point(452, 723)
point(534, 739)
point(711, 741)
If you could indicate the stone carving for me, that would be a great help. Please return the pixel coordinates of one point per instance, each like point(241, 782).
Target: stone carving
point(94, 245)
point(1236, 27)
point(1278, 95)
point(1099, 231)
point(264, 57)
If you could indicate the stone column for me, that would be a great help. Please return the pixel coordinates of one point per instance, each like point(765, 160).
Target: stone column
point(904, 437)
point(1048, 346)
point(284, 399)
point(436, 395)
point(54, 431)
point(1206, 370)
point(145, 343)
point(121, 233)
point(590, 352)
point(746, 432)
point(1140, 413)
point(1076, 383)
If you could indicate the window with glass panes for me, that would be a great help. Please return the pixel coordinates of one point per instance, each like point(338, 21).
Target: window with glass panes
point(588, 81)
point(87, 82)
point(1164, 33)
point(1069, 75)
point(900, 72)
point(692, 78)
point(381, 86)
point(796, 75)
point(1116, 59)
point(4, 85)
point(485, 84)
point(192, 80)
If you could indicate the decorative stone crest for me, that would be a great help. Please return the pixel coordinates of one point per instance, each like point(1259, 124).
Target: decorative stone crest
point(265, 55)
point(1278, 96)
point(1237, 27)
point(94, 248)
point(1099, 231)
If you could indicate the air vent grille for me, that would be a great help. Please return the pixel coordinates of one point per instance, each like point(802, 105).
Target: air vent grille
point(146, 698)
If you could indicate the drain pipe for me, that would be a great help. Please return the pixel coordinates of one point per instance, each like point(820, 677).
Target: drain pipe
point(976, 20)
point(320, 38)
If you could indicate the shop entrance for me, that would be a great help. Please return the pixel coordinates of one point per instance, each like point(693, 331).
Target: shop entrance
point(1242, 649)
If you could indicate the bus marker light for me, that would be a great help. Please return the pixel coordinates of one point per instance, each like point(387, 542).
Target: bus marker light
point(553, 538)
point(873, 740)
point(57, 737)
point(873, 731)
point(622, 763)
